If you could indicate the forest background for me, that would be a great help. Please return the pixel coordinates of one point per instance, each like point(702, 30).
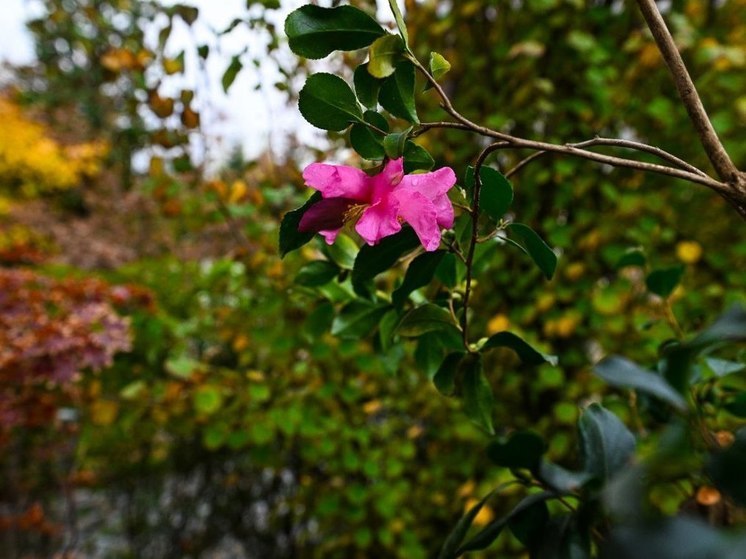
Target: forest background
point(171, 387)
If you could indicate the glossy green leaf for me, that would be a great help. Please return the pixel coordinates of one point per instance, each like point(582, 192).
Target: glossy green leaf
point(373, 260)
point(327, 102)
point(316, 273)
point(384, 54)
point(496, 194)
point(397, 93)
point(366, 142)
point(366, 86)
point(528, 354)
point(399, 21)
point(416, 158)
point(315, 32)
point(393, 144)
point(523, 449)
point(445, 376)
point(607, 444)
point(423, 319)
point(290, 238)
point(357, 320)
point(477, 393)
point(419, 273)
point(342, 252)
point(662, 282)
point(439, 66)
point(536, 248)
point(621, 372)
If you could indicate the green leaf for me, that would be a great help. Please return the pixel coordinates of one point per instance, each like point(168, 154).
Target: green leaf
point(523, 449)
point(357, 320)
point(423, 319)
point(290, 238)
point(366, 142)
point(315, 32)
point(439, 66)
point(399, 21)
point(387, 327)
point(527, 353)
point(393, 144)
point(528, 525)
point(316, 273)
point(477, 393)
point(448, 272)
point(342, 252)
point(385, 52)
point(416, 158)
point(723, 367)
point(445, 376)
point(489, 533)
point(663, 281)
point(420, 272)
point(373, 260)
point(633, 257)
point(397, 93)
point(457, 535)
point(536, 248)
point(327, 102)
point(207, 399)
point(607, 444)
point(621, 372)
point(366, 87)
point(496, 193)
point(229, 76)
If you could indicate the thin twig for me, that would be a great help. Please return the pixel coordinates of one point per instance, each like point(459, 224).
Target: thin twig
point(719, 158)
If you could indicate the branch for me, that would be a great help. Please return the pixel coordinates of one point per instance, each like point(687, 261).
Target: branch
point(708, 137)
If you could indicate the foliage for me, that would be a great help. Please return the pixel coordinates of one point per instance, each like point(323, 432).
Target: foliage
point(32, 162)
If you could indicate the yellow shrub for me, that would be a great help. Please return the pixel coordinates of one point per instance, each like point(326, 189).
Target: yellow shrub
point(32, 162)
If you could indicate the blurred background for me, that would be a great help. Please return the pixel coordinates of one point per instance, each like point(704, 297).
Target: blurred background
point(167, 389)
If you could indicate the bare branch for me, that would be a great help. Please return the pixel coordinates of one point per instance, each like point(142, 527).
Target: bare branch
point(719, 158)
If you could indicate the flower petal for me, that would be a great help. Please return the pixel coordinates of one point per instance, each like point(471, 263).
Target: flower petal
point(379, 221)
point(421, 214)
point(338, 181)
point(384, 182)
point(330, 236)
point(430, 185)
point(444, 209)
point(325, 215)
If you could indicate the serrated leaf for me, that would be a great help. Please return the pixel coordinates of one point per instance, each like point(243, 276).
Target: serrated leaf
point(419, 273)
point(373, 260)
point(496, 193)
point(397, 92)
point(315, 32)
point(384, 53)
point(327, 102)
point(607, 444)
point(528, 354)
point(416, 158)
point(290, 238)
point(621, 372)
point(401, 26)
point(536, 248)
point(366, 86)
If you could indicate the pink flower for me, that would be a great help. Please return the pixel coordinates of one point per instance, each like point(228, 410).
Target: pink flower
point(382, 201)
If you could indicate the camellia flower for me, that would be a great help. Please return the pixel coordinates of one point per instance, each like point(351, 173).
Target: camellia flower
point(382, 202)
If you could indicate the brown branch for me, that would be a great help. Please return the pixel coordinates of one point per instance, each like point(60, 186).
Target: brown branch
point(708, 137)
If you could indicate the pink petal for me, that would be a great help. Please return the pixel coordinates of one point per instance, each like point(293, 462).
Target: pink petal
point(326, 214)
point(330, 236)
point(444, 210)
point(385, 181)
point(338, 181)
point(379, 221)
point(421, 214)
point(430, 185)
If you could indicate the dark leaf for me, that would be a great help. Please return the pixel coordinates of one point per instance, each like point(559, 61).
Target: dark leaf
point(372, 260)
point(496, 193)
point(290, 238)
point(397, 93)
point(316, 273)
point(536, 248)
point(477, 392)
point(527, 353)
point(420, 273)
point(523, 449)
point(607, 444)
point(327, 102)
